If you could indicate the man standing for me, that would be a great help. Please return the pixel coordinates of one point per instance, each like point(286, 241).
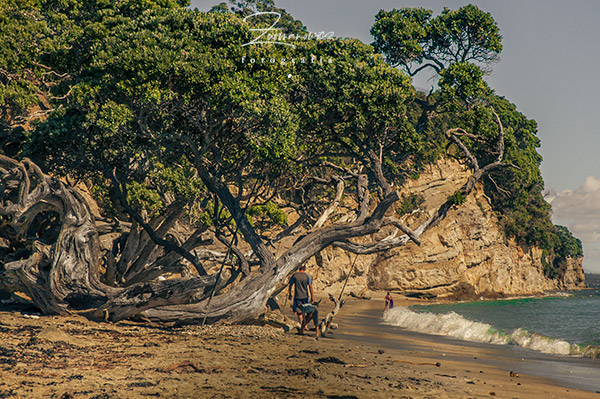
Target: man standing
point(302, 288)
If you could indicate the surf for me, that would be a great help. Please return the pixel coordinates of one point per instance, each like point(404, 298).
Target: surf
point(452, 324)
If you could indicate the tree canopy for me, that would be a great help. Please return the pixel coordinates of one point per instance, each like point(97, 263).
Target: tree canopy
point(203, 151)
point(413, 39)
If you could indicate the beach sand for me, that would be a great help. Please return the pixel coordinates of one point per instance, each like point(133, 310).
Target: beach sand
point(71, 357)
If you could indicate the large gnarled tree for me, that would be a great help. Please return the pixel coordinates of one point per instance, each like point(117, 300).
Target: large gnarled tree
point(220, 168)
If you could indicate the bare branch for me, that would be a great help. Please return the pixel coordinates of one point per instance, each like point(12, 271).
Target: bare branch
point(498, 187)
point(340, 168)
point(244, 265)
point(333, 206)
point(363, 197)
point(451, 134)
point(159, 241)
point(397, 223)
point(500, 144)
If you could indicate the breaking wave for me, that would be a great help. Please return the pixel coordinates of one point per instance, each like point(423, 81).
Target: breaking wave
point(454, 325)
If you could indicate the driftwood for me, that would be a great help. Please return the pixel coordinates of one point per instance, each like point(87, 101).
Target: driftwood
point(324, 324)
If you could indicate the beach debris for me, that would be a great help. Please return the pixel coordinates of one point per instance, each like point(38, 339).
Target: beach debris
point(325, 324)
point(513, 374)
point(436, 364)
point(446, 375)
point(330, 359)
point(399, 386)
point(190, 365)
point(301, 372)
point(142, 384)
point(279, 389)
point(418, 381)
point(310, 351)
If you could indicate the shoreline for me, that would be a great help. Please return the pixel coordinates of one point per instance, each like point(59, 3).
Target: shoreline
point(562, 371)
point(70, 357)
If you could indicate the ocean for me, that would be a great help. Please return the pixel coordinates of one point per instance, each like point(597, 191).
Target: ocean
point(561, 324)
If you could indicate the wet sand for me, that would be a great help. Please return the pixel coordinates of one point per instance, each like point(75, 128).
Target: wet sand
point(563, 373)
point(71, 357)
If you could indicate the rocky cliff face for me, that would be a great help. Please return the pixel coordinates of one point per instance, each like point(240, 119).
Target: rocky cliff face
point(465, 256)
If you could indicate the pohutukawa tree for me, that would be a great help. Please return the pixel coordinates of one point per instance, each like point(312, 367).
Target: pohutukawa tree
point(219, 168)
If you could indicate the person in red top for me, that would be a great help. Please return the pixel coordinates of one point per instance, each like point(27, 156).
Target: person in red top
point(303, 292)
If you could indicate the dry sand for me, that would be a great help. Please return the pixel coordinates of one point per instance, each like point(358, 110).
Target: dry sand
point(71, 357)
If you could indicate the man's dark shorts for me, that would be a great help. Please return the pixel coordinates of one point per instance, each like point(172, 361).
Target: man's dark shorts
point(297, 302)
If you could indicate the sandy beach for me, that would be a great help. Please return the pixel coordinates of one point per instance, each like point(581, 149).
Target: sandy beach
point(71, 357)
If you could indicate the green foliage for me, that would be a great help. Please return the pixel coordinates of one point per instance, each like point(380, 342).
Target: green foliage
point(269, 212)
point(549, 270)
point(466, 34)
point(45, 44)
point(355, 105)
point(567, 245)
point(153, 81)
point(284, 22)
point(143, 196)
point(402, 35)
point(461, 84)
point(413, 39)
point(409, 202)
point(457, 198)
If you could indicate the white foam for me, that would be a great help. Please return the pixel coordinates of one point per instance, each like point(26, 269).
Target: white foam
point(454, 325)
point(540, 343)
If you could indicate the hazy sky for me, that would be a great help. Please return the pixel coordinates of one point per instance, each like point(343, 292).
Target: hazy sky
point(548, 68)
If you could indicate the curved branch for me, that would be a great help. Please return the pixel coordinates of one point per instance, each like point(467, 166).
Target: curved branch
point(377, 164)
point(397, 223)
point(451, 134)
point(333, 206)
point(64, 273)
point(500, 145)
point(412, 73)
point(151, 233)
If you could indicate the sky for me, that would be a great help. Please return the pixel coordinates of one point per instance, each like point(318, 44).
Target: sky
point(547, 68)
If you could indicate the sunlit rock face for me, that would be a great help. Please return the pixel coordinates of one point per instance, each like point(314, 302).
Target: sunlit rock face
point(466, 256)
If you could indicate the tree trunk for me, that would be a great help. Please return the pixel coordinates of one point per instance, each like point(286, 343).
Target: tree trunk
point(51, 224)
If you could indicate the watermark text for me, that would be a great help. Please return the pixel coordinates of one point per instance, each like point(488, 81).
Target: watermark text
point(273, 35)
point(285, 61)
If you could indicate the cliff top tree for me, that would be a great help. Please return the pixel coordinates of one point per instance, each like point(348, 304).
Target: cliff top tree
point(414, 40)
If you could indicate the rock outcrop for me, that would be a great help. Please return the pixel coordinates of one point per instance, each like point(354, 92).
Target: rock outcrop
point(466, 256)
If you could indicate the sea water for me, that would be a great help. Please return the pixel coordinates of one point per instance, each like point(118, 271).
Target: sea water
point(562, 324)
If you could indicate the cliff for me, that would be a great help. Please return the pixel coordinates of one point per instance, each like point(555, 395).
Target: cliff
point(466, 256)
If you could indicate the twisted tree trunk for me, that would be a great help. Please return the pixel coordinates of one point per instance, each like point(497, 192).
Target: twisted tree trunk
point(49, 248)
point(55, 237)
